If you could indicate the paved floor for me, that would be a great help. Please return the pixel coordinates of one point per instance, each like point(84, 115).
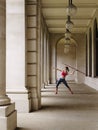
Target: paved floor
point(65, 111)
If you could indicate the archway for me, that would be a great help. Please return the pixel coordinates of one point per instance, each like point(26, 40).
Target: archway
point(68, 57)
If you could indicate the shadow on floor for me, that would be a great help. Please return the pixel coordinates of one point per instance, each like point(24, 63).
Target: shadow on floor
point(18, 128)
point(21, 128)
point(68, 107)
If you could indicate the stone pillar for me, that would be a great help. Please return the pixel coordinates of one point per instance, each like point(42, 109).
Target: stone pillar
point(16, 55)
point(33, 51)
point(42, 55)
point(48, 60)
point(7, 109)
point(45, 58)
point(93, 54)
point(88, 60)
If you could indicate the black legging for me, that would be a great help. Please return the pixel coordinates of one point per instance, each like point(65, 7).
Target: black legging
point(64, 82)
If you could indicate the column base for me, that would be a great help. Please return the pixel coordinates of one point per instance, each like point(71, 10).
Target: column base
point(22, 99)
point(4, 100)
point(8, 117)
point(35, 105)
point(36, 102)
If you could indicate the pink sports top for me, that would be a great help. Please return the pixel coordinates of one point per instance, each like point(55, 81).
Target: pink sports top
point(63, 74)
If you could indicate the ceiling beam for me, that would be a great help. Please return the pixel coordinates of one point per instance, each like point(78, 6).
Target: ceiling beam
point(62, 31)
point(64, 18)
point(63, 5)
point(80, 26)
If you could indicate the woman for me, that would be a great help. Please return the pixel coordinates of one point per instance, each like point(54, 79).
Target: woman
point(64, 73)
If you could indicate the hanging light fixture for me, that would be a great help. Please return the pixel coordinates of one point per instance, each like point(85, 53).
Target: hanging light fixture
point(69, 23)
point(67, 40)
point(67, 34)
point(71, 9)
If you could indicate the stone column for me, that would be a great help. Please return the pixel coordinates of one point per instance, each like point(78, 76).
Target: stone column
point(42, 55)
point(93, 59)
point(48, 61)
point(4, 100)
point(16, 55)
point(7, 109)
point(33, 52)
point(45, 58)
point(88, 60)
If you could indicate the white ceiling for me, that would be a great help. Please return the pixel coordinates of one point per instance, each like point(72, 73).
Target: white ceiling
point(54, 12)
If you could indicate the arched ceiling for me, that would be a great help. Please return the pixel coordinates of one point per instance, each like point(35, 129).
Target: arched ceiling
point(54, 13)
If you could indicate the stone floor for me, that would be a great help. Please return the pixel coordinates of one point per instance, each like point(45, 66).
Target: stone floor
point(64, 111)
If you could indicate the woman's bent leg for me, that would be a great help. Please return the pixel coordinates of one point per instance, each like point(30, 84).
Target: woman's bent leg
point(57, 86)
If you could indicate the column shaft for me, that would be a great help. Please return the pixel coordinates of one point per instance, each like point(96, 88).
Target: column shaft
point(3, 98)
point(8, 114)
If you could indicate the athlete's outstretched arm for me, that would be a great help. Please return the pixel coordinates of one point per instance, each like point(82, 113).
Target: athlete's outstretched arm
point(57, 69)
point(72, 72)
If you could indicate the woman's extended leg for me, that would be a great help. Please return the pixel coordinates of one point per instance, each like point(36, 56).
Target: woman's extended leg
point(65, 83)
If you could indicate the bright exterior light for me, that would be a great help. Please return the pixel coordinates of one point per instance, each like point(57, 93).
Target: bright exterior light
point(66, 48)
point(71, 9)
point(67, 45)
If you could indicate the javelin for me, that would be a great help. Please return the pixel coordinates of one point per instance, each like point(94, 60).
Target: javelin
point(74, 68)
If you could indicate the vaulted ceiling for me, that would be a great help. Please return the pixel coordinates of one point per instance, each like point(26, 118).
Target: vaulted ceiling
point(54, 13)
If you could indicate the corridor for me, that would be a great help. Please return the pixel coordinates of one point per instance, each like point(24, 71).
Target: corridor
point(63, 111)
